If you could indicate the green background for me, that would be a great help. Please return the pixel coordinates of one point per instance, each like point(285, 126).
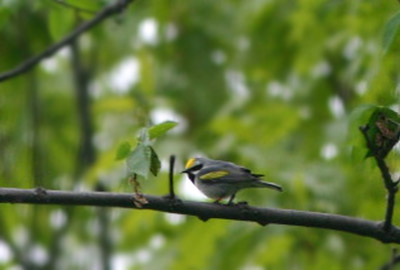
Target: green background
point(266, 84)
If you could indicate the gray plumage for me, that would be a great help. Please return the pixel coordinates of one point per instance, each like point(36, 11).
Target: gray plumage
point(231, 179)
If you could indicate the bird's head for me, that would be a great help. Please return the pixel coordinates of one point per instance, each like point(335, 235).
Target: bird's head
point(193, 165)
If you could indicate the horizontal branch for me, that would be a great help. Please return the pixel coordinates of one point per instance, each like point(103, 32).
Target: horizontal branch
point(204, 210)
point(106, 12)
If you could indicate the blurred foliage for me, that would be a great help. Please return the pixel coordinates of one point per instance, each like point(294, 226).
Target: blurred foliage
point(266, 84)
point(143, 158)
point(391, 29)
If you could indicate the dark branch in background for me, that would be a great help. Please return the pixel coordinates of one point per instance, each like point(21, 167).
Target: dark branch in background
point(339, 85)
point(390, 185)
point(81, 77)
point(205, 211)
point(33, 99)
point(34, 107)
point(105, 242)
point(103, 14)
point(394, 260)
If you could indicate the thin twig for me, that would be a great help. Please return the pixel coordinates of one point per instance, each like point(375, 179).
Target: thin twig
point(393, 259)
point(390, 185)
point(352, 225)
point(389, 209)
point(171, 176)
point(103, 14)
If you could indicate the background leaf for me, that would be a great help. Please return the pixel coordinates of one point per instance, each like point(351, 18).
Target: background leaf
point(276, 103)
point(60, 22)
point(155, 162)
point(390, 31)
point(359, 117)
point(160, 129)
point(123, 150)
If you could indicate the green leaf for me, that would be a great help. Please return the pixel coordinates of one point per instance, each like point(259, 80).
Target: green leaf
point(383, 131)
point(144, 137)
point(86, 4)
point(155, 162)
point(60, 22)
point(161, 129)
point(139, 160)
point(123, 151)
point(359, 117)
point(364, 115)
point(390, 31)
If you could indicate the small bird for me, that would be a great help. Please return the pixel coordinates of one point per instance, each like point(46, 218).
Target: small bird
point(219, 179)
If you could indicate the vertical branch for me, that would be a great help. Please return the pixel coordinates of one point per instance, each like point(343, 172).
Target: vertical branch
point(104, 238)
point(394, 260)
point(81, 78)
point(35, 147)
point(105, 243)
point(171, 176)
point(34, 105)
point(86, 155)
point(55, 248)
point(390, 185)
point(390, 200)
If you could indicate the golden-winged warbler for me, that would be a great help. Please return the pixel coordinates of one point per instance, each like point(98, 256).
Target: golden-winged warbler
point(219, 179)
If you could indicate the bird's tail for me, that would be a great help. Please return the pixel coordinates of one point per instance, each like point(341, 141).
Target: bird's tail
point(268, 185)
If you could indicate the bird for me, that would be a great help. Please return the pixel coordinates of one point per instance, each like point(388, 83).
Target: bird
point(219, 179)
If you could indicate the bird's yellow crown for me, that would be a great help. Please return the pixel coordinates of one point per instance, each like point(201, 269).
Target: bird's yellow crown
point(190, 163)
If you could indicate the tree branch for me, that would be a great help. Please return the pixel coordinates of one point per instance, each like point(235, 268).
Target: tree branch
point(205, 211)
point(103, 14)
point(171, 177)
point(390, 185)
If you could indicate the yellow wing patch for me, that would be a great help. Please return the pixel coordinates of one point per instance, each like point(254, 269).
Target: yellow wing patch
point(190, 163)
point(213, 175)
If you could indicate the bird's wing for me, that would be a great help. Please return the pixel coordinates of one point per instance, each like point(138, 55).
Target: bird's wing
point(240, 169)
point(213, 175)
point(250, 172)
point(229, 174)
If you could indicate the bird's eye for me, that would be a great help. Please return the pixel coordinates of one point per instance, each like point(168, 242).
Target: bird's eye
point(196, 167)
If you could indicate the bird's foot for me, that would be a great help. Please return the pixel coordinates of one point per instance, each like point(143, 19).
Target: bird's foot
point(217, 202)
point(240, 204)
